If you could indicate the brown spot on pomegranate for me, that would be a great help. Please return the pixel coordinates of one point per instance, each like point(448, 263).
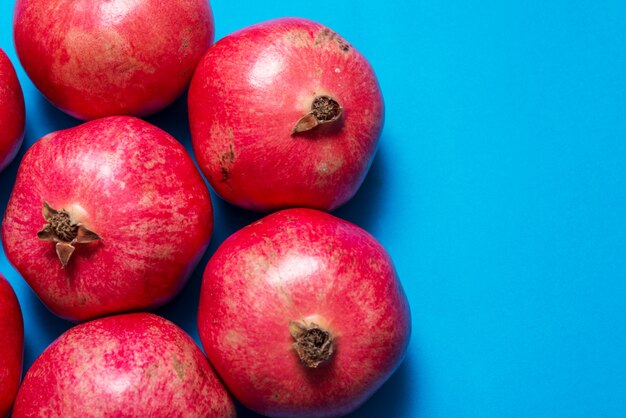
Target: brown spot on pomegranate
point(324, 36)
point(227, 159)
point(179, 367)
point(327, 36)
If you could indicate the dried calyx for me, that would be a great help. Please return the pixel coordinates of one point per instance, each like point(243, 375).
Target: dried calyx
point(324, 109)
point(313, 344)
point(62, 230)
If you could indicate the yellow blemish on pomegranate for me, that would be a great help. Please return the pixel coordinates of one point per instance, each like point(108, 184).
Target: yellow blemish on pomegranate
point(298, 37)
point(234, 339)
point(97, 60)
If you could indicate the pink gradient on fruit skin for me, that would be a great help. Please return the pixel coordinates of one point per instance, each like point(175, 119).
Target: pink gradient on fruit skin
point(302, 264)
point(96, 58)
point(131, 365)
point(247, 94)
point(12, 112)
point(133, 184)
point(11, 347)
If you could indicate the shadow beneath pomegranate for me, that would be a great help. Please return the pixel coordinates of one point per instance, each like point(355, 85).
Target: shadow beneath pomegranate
point(40, 113)
point(243, 412)
point(52, 117)
point(7, 178)
point(393, 398)
point(174, 120)
point(363, 208)
point(42, 327)
point(230, 218)
point(8, 175)
point(183, 309)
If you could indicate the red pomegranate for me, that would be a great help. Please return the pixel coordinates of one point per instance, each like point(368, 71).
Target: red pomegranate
point(96, 58)
point(12, 114)
point(12, 346)
point(302, 315)
point(131, 365)
point(109, 216)
point(285, 113)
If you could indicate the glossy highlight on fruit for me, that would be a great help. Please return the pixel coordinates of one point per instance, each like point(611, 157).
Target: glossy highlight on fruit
point(97, 58)
point(285, 113)
point(12, 112)
point(302, 315)
point(11, 347)
point(131, 365)
point(106, 217)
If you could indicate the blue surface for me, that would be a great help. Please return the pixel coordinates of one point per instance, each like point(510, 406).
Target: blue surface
point(499, 190)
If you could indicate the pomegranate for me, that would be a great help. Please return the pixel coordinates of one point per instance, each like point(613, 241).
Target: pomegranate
point(285, 113)
point(96, 58)
point(108, 216)
point(302, 315)
point(12, 114)
point(12, 346)
point(130, 365)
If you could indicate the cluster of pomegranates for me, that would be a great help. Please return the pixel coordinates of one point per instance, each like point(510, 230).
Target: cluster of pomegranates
point(301, 314)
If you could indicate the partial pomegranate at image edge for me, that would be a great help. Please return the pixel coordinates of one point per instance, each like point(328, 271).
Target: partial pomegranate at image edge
point(102, 58)
point(12, 346)
point(130, 365)
point(302, 315)
point(285, 113)
point(12, 112)
point(106, 217)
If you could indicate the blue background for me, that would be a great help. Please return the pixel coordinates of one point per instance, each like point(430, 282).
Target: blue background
point(499, 190)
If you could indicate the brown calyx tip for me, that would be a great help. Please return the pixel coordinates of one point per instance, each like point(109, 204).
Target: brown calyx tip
point(324, 109)
point(313, 344)
point(64, 232)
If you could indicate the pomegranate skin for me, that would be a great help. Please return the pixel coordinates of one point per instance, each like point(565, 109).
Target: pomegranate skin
point(302, 265)
point(12, 112)
point(131, 365)
point(135, 186)
point(246, 97)
point(97, 58)
point(12, 346)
